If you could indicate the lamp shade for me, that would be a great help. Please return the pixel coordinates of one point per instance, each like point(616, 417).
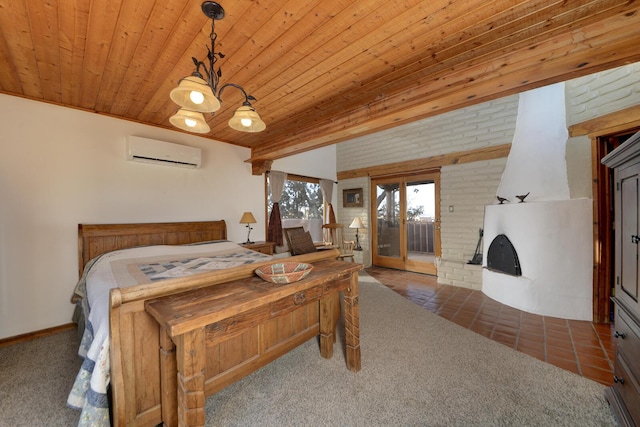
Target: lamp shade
point(246, 119)
point(247, 218)
point(357, 223)
point(191, 121)
point(194, 94)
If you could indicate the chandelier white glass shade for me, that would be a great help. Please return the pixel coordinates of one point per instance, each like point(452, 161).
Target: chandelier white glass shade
point(197, 94)
point(191, 121)
point(194, 94)
point(246, 119)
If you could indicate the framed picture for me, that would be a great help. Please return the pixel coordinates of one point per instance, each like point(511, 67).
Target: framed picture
point(352, 198)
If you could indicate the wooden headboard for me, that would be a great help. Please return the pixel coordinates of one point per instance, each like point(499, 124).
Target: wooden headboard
point(97, 239)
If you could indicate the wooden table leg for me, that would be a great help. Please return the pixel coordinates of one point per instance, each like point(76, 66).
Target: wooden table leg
point(168, 380)
point(352, 324)
point(327, 325)
point(336, 314)
point(191, 363)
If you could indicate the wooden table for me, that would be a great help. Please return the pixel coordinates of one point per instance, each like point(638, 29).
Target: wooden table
point(188, 319)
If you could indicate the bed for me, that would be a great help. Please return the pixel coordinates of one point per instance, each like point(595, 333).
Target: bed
point(121, 341)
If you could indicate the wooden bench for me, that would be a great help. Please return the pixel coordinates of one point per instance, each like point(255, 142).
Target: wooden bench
point(192, 321)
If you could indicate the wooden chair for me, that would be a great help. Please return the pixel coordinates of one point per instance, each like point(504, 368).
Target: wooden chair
point(333, 235)
point(288, 232)
point(291, 234)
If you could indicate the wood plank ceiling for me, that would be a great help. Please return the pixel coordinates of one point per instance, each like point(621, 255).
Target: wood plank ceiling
point(322, 71)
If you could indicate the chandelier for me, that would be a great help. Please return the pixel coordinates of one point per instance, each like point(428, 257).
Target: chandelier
point(197, 94)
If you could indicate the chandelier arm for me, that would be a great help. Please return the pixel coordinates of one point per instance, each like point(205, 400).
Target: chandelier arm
point(199, 64)
point(247, 97)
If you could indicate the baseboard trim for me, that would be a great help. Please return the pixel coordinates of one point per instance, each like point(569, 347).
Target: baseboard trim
point(5, 342)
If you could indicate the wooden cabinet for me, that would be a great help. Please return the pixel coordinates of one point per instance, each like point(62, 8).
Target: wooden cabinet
point(264, 247)
point(624, 396)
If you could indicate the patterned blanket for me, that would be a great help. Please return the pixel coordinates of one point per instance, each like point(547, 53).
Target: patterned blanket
point(126, 268)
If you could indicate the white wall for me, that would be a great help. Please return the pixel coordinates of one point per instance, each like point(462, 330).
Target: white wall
point(319, 163)
point(60, 167)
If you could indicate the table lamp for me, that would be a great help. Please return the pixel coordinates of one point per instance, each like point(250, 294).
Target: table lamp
point(357, 224)
point(248, 218)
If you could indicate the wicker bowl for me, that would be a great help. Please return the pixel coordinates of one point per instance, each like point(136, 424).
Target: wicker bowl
point(284, 272)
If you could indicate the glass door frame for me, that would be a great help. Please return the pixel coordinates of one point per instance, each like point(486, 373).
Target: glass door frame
point(403, 262)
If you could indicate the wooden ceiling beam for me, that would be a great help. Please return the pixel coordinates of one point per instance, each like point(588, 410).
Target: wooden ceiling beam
point(439, 75)
point(499, 43)
point(395, 53)
point(260, 167)
point(416, 103)
point(327, 70)
point(457, 158)
point(609, 123)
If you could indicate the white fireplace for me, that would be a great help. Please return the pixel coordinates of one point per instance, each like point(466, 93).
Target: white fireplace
point(555, 256)
point(551, 233)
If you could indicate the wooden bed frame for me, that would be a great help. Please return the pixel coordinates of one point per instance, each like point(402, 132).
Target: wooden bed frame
point(134, 334)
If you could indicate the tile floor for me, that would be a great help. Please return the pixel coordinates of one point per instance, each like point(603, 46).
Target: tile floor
point(582, 347)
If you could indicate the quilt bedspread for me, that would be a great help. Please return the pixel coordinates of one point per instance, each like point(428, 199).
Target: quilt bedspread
point(126, 268)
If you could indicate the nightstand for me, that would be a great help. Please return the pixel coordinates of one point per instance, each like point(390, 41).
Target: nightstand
point(265, 247)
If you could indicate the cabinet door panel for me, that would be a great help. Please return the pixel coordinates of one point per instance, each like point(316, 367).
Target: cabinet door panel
point(629, 239)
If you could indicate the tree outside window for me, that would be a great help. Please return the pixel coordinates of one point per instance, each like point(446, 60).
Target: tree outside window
point(301, 205)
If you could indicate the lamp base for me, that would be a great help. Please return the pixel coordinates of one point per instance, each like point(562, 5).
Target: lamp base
point(358, 247)
point(249, 242)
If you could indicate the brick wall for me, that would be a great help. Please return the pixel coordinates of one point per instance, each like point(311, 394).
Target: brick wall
point(467, 188)
point(491, 123)
point(602, 93)
point(464, 192)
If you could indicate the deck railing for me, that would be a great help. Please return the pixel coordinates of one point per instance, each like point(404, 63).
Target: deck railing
point(420, 236)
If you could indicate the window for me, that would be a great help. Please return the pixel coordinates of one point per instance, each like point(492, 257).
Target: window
point(301, 204)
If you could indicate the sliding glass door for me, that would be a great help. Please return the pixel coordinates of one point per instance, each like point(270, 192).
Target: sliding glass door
point(406, 233)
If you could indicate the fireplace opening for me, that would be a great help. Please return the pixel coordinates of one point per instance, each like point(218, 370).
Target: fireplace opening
point(502, 256)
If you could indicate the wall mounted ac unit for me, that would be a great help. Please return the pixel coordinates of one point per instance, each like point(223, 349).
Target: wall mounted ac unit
point(163, 153)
